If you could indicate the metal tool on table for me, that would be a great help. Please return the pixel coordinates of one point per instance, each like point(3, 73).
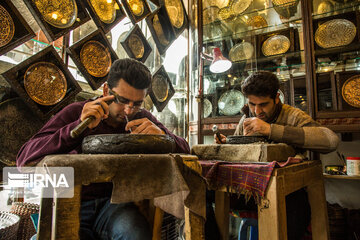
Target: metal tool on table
point(216, 131)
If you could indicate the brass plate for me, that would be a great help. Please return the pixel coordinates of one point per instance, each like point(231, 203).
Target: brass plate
point(226, 13)
point(285, 3)
point(335, 33)
point(45, 83)
point(104, 10)
point(351, 91)
point(231, 102)
point(257, 22)
point(136, 46)
point(241, 51)
point(207, 105)
point(210, 14)
point(160, 87)
point(7, 27)
point(58, 13)
point(159, 30)
point(175, 11)
point(285, 8)
point(217, 3)
point(137, 7)
point(277, 44)
point(96, 58)
point(325, 7)
point(240, 6)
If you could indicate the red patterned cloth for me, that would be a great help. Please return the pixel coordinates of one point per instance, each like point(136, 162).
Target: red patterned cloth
point(250, 179)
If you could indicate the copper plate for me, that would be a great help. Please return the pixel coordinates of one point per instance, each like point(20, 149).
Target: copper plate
point(58, 13)
point(257, 22)
point(136, 46)
point(137, 7)
point(277, 44)
point(241, 51)
point(175, 11)
point(159, 30)
point(335, 33)
point(45, 83)
point(104, 10)
point(160, 87)
point(351, 91)
point(96, 58)
point(240, 6)
point(7, 27)
point(210, 14)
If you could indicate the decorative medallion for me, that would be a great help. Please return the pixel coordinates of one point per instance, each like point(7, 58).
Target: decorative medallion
point(351, 91)
point(241, 51)
point(7, 27)
point(277, 44)
point(160, 87)
point(207, 108)
point(176, 12)
point(231, 102)
point(210, 14)
point(240, 6)
point(335, 33)
point(58, 13)
point(137, 7)
point(325, 7)
point(105, 10)
point(136, 46)
point(159, 30)
point(45, 83)
point(257, 22)
point(96, 58)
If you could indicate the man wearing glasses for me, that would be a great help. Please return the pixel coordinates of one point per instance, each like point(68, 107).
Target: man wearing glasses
point(117, 111)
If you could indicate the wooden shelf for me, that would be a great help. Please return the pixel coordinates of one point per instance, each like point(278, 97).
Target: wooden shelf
point(345, 177)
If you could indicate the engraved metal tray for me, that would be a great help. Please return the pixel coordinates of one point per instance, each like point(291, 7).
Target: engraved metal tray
point(351, 91)
point(105, 10)
point(7, 27)
point(241, 51)
point(231, 102)
point(176, 13)
point(274, 45)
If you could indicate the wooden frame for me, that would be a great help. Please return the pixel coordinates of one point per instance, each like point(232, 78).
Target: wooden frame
point(325, 76)
point(74, 52)
point(105, 27)
point(125, 43)
point(341, 77)
point(22, 33)
point(166, 28)
point(185, 25)
point(52, 33)
point(134, 19)
point(15, 77)
point(171, 91)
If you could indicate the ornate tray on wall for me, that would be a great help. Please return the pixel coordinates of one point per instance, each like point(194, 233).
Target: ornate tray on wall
point(176, 14)
point(51, 32)
point(160, 29)
point(136, 10)
point(161, 90)
point(347, 92)
point(14, 29)
point(106, 57)
point(135, 44)
point(108, 18)
point(17, 79)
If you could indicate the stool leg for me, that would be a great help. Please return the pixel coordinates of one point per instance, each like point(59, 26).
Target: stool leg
point(222, 208)
point(158, 219)
point(194, 226)
point(45, 219)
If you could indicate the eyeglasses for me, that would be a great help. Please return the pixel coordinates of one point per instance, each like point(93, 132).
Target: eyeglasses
point(125, 102)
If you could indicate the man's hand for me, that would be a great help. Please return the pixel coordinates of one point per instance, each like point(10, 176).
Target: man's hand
point(220, 141)
point(253, 126)
point(143, 126)
point(98, 109)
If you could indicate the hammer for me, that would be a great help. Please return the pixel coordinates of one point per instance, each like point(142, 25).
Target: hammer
point(216, 131)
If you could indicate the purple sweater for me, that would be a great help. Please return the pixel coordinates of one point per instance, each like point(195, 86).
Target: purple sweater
point(54, 138)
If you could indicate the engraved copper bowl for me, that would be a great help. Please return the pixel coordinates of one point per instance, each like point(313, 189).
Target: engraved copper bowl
point(240, 6)
point(241, 51)
point(136, 46)
point(351, 91)
point(160, 87)
point(96, 58)
point(45, 83)
point(105, 10)
point(285, 8)
point(58, 13)
point(210, 14)
point(175, 11)
point(136, 6)
point(159, 30)
point(7, 27)
point(335, 33)
point(257, 22)
point(277, 44)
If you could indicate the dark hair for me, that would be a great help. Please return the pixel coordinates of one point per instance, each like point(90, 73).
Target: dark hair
point(261, 83)
point(135, 73)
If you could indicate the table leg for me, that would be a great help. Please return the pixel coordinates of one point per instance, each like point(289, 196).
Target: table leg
point(158, 219)
point(194, 226)
point(45, 219)
point(222, 209)
point(272, 212)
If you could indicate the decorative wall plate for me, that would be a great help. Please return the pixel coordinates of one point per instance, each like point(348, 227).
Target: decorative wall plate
point(210, 14)
point(351, 91)
point(241, 51)
point(277, 44)
point(325, 7)
point(240, 6)
point(217, 3)
point(163, 39)
point(105, 10)
point(96, 58)
point(45, 83)
point(231, 102)
point(7, 27)
point(136, 46)
point(257, 22)
point(335, 33)
point(160, 87)
point(226, 13)
point(58, 13)
point(175, 11)
point(285, 8)
point(137, 7)
point(207, 107)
